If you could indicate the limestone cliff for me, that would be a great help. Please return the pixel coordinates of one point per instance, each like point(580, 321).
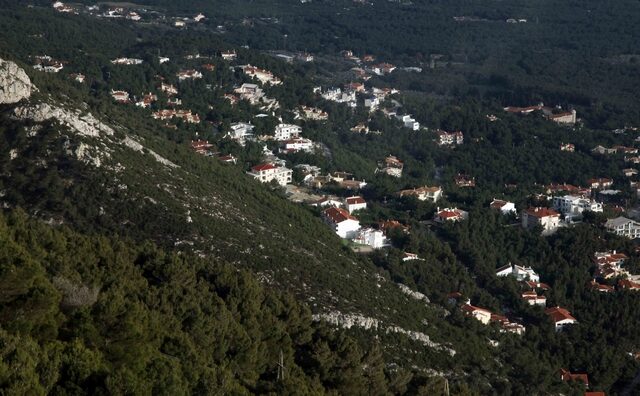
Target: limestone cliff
point(15, 85)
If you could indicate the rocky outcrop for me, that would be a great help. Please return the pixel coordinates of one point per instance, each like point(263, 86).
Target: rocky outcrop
point(422, 338)
point(14, 83)
point(412, 293)
point(82, 124)
point(347, 321)
point(135, 146)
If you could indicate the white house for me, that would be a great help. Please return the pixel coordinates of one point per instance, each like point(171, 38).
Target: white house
point(567, 117)
point(268, 172)
point(623, 227)
point(372, 103)
point(345, 225)
point(532, 298)
point(410, 256)
point(519, 272)
point(481, 314)
point(572, 206)
point(127, 61)
point(549, 219)
point(505, 207)
point(264, 76)
point(287, 131)
point(297, 144)
point(120, 96)
point(339, 96)
point(240, 131)
point(355, 203)
point(229, 55)
point(188, 75)
point(371, 237)
point(450, 138)
point(450, 214)
point(560, 317)
point(327, 202)
point(424, 193)
point(408, 122)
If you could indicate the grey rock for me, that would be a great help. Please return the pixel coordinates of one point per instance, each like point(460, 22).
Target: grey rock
point(15, 85)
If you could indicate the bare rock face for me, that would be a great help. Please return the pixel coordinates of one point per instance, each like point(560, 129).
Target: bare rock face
point(14, 83)
point(82, 124)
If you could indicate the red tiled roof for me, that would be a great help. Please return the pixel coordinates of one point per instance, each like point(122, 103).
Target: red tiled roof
point(542, 212)
point(389, 224)
point(470, 309)
point(498, 204)
point(600, 287)
point(355, 200)
point(263, 167)
point(558, 314)
point(337, 215)
point(499, 318)
point(626, 284)
point(538, 285)
point(566, 375)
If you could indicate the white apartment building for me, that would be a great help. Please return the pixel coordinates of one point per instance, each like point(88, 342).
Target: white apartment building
point(549, 219)
point(572, 206)
point(371, 237)
point(519, 272)
point(345, 225)
point(355, 203)
point(297, 144)
point(623, 227)
point(450, 138)
point(408, 122)
point(265, 173)
point(240, 131)
point(287, 131)
point(340, 96)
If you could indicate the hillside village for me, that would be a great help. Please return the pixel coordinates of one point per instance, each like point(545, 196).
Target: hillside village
point(281, 145)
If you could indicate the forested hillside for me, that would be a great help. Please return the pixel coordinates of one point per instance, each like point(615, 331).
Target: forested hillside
point(96, 315)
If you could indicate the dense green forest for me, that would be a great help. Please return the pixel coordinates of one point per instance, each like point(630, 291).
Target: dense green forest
point(96, 315)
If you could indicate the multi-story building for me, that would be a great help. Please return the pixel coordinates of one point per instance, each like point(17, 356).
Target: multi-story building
point(572, 206)
point(265, 173)
point(371, 237)
point(560, 317)
point(549, 219)
point(623, 227)
point(345, 225)
point(287, 131)
point(408, 122)
point(240, 131)
point(450, 138)
point(519, 272)
point(297, 144)
point(355, 203)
